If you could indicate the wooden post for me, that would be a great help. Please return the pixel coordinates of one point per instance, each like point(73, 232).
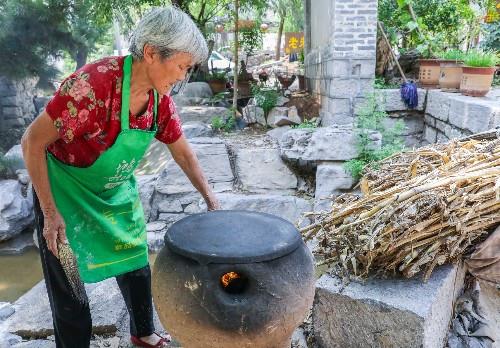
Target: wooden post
point(236, 58)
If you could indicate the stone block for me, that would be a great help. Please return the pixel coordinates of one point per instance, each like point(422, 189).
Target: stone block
point(290, 208)
point(430, 134)
point(331, 179)
point(12, 111)
point(214, 160)
point(203, 114)
point(277, 133)
point(197, 90)
point(386, 312)
point(14, 122)
point(340, 106)
point(332, 143)
point(170, 206)
point(329, 119)
point(393, 101)
point(196, 129)
point(475, 115)
point(438, 104)
point(429, 120)
point(11, 101)
point(263, 171)
point(441, 137)
point(33, 318)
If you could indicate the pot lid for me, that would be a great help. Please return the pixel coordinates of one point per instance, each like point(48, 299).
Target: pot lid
point(232, 236)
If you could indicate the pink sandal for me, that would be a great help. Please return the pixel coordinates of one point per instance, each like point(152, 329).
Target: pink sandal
point(136, 341)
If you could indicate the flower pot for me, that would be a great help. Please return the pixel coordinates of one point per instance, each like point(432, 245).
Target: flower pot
point(428, 74)
point(217, 86)
point(450, 75)
point(476, 81)
point(243, 88)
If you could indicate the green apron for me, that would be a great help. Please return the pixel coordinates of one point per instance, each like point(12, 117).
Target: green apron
point(100, 204)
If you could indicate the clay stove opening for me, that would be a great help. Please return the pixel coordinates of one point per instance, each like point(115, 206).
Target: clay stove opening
point(234, 283)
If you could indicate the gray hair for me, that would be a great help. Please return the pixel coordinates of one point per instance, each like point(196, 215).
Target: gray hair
point(168, 30)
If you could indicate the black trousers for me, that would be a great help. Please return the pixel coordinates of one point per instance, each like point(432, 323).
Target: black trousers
point(72, 321)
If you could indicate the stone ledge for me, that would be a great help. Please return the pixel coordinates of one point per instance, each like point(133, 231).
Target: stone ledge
point(386, 312)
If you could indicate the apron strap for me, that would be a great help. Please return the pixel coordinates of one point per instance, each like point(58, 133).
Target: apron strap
point(125, 111)
point(127, 71)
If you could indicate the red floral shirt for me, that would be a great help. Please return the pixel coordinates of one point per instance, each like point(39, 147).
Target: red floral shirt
point(86, 112)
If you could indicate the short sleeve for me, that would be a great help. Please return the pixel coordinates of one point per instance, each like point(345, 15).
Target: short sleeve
point(169, 123)
point(74, 106)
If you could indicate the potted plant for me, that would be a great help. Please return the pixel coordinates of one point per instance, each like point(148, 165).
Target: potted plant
point(245, 79)
point(451, 70)
point(217, 81)
point(478, 70)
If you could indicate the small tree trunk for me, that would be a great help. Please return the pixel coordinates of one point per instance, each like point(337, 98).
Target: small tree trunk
point(235, 83)
point(81, 57)
point(280, 33)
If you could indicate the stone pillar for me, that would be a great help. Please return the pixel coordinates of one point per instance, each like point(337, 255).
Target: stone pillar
point(341, 70)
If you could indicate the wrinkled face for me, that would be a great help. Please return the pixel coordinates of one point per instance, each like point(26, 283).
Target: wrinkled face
point(165, 73)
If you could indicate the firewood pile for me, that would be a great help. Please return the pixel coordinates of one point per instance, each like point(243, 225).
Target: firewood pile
point(419, 209)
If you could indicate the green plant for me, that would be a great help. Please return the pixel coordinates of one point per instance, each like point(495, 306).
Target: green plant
point(478, 58)
point(492, 36)
point(217, 76)
point(380, 83)
point(217, 98)
point(225, 124)
point(306, 124)
point(496, 81)
point(265, 98)
point(372, 117)
point(452, 55)
point(250, 39)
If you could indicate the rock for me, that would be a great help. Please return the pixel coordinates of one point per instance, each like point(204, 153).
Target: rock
point(282, 101)
point(156, 236)
point(196, 129)
point(18, 244)
point(386, 312)
point(293, 115)
point(253, 114)
point(33, 318)
point(276, 114)
point(283, 121)
point(10, 340)
point(290, 208)
point(23, 176)
point(333, 143)
point(16, 211)
point(197, 90)
point(203, 114)
point(14, 158)
point(170, 206)
point(277, 133)
point(169, 219)
point(156, 226)
point(331, 179)
point(299, 339)
point(146, 188)
point(6, 310)
point(393, 102)
point(263, 171)
point(214, 160)
point(193, 208)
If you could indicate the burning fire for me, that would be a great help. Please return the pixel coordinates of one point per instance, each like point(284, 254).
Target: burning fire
point(227, 278)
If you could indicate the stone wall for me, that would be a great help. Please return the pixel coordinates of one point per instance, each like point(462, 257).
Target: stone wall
point(17, 109)
point(340, 71)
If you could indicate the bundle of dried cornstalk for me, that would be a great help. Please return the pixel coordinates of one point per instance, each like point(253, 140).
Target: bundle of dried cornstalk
point(419, 209)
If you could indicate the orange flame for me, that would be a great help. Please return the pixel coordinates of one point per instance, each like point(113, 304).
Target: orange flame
point(227, 278)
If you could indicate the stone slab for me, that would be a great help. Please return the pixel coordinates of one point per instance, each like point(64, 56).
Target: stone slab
point(331, 179)
point(386, 312)
point(33, 318)
point(203, 114)
point(214, 159)
point(393, 101)
point(263, 171)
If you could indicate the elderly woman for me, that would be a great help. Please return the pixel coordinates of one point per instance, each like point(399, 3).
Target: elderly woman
point(81, 153)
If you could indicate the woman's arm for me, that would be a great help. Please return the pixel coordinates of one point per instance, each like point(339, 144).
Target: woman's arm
point(41, 133)
point(185, 157)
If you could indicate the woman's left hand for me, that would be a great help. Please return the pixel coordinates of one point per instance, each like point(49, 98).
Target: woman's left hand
point(212, 203)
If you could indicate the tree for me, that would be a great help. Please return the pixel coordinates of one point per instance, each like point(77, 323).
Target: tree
point(286, 9)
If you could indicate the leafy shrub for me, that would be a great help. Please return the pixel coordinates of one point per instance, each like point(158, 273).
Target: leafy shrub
point(372, 117)
point(265, 97)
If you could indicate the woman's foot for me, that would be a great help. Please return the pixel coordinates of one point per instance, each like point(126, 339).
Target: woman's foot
point(152, 341)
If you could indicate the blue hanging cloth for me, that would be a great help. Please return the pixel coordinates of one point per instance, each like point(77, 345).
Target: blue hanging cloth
point(409, 94)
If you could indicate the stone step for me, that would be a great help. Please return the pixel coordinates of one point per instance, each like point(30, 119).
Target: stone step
point(386, 312)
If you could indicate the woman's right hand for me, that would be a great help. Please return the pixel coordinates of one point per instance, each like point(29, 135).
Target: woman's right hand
point(54, 229)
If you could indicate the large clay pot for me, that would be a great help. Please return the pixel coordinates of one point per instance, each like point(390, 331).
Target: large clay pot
point(476, 81)
point(450, 75)
point(428, 74)
point(233, 279)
